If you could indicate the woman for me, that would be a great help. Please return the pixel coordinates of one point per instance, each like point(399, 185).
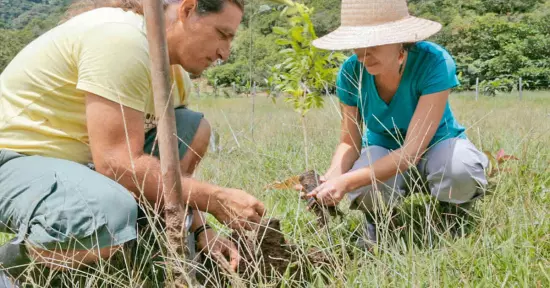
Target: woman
point(398, 86)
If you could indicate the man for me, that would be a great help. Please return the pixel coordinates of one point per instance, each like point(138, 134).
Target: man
point(81, 94)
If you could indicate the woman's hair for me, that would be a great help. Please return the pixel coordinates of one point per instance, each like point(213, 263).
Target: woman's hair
point(408, 46)
point(203, 6)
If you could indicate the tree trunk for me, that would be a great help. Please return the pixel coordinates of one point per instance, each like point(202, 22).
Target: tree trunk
point(175, 211)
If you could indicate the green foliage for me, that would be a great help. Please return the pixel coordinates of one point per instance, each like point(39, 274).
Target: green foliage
point(489, 39)
point(327, 15)
point(17, 14)
point(492, 40)
point(11, 41)
point(252, 50)
point(21, 21)
point(497, 86)
point(306, 71)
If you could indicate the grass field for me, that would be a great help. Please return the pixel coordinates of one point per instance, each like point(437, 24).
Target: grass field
point(509, 246)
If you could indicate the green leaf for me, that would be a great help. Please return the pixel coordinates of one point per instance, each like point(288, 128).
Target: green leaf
point(287, 51)
point(296, 33)
point(280, 31)
point(283, 42)
point(291, 10)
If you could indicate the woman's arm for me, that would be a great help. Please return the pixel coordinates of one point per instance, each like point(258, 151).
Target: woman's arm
point(349, 148)
point(421, 130)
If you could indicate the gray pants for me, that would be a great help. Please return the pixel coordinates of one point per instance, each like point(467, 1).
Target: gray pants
point(55, 203)
point(454, 171)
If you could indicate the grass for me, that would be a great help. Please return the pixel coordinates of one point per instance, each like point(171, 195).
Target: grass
point(508, 247)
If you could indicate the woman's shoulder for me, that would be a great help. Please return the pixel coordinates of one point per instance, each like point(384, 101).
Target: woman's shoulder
point(432, 51)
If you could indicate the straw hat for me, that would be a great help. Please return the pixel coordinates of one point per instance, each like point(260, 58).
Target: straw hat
point(367, 23)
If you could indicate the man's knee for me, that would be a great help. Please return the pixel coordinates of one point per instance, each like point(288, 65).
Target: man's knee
point(202, 138)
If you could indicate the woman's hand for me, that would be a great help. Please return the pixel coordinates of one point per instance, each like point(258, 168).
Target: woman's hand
point(331, 192)
point(300, 188)
point(219, 248)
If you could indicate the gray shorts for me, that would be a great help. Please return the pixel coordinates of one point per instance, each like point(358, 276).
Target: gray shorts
point(453, 171)
point(54, 203)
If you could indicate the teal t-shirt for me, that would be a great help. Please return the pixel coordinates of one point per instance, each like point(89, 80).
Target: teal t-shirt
point(429, 69)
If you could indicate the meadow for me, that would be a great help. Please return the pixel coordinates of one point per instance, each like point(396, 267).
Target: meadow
point(508, 246)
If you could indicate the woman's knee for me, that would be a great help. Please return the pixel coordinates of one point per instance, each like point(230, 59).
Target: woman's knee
point(457, 175)
point(381, 194)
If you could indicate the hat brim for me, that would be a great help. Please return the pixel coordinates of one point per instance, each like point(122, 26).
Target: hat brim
point(407, 30)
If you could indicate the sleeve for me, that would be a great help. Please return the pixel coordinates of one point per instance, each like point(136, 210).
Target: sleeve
point(113, 62)
point(345, 90)
point(188, 85)
point(440, 76)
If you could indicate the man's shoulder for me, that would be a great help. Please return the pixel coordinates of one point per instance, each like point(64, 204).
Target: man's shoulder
point(105, 18)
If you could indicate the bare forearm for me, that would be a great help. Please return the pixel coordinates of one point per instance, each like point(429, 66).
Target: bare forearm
point(143, 177)
point(343, 160)
point(381, 170)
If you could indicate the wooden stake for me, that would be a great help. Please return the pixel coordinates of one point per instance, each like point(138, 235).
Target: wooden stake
point(477, 88)
point(174, 207)
point(520, 89)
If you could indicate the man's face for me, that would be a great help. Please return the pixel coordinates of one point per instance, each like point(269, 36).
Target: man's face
point(196, 41)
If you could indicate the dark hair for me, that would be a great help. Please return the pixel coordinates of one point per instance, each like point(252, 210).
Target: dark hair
point(408, 46)
point(203, 6)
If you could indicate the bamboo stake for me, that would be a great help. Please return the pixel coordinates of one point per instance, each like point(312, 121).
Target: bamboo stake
point(477, 88)
point(174, 206)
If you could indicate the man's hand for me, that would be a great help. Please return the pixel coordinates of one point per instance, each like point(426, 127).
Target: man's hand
point(237, 209)
point(220, 249)
point(331, 192)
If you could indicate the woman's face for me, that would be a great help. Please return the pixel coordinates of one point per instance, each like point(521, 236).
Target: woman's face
point(380, 59)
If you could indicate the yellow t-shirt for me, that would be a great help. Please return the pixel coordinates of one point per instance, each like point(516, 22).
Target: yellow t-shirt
point(42, 91)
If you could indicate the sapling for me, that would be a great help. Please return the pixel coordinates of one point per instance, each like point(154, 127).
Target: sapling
point(303, 75)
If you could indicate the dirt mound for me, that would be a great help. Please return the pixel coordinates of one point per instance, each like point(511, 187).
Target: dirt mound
point(265, 254)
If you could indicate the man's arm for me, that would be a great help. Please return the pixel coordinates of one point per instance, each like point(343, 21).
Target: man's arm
point(117, 138)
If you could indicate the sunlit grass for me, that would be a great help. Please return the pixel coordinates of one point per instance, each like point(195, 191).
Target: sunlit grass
point(509, 246)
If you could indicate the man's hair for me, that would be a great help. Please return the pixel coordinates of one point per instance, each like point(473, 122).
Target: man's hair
point(203, 6)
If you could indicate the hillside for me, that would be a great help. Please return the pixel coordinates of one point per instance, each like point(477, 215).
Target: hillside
point(16, 14)
point(23, 20)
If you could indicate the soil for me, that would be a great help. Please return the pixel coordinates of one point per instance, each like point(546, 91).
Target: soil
point(310, 180)
point(265, 254)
